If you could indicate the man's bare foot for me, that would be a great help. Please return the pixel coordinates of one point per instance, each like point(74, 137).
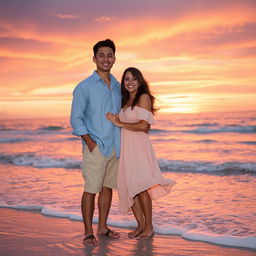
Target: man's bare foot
point(135, 232)
point(109, 233)
point(90, 240)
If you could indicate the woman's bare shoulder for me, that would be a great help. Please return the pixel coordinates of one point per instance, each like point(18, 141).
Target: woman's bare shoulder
point(145, 102)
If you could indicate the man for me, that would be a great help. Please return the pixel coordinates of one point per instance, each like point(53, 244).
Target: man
point(92, 99)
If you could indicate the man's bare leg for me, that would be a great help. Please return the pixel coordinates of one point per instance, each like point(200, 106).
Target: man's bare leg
point(104, 203)
point(87, 207)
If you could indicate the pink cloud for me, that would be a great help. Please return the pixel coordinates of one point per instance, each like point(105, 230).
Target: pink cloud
point(104, 19)
point(67, 16)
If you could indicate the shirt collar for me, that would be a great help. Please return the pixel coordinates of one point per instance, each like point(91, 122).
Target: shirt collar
point(98, 78)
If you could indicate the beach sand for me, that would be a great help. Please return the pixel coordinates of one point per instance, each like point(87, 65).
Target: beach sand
point(31, 233)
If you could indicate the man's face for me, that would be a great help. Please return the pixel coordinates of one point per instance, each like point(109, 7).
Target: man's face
point(104, 59)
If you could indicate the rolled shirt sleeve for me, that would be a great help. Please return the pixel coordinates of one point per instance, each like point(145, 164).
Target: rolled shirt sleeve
point(77, 111)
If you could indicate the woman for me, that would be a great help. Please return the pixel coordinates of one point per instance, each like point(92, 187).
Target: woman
point(139, 175)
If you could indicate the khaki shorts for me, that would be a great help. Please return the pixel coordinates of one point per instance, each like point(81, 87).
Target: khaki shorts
point(99, 171)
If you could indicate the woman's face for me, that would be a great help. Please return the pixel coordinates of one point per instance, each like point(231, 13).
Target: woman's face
point(131, 83)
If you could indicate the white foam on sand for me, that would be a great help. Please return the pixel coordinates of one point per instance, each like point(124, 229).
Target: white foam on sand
point(196, 235)
point(247, 242)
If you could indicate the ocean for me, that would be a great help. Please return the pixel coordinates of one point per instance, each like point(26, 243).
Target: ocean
point(211, 156)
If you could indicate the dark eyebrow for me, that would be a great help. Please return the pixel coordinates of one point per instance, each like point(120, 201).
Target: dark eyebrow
point(109, 53)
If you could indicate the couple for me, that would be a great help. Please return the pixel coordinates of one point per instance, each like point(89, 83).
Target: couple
point(99, 109)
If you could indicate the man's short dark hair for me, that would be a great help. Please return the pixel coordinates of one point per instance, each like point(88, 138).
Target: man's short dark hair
point(104, 43)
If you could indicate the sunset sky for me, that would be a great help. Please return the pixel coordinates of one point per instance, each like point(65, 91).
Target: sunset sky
point(198, 55)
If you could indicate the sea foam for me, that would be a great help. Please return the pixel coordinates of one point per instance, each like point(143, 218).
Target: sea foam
point(42, 161)
point(196, 235)
point(247, 242)
point(207, 167)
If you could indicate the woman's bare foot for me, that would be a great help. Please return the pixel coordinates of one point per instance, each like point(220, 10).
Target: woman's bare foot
point(146, 234)
point(135, 232)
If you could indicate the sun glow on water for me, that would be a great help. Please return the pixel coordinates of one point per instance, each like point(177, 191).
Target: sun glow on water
point(178, 103)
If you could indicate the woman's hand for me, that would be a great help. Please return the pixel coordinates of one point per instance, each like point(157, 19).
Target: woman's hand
point(140, 126)
point(114, 119)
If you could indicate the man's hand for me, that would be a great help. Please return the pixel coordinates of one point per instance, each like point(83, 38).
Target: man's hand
point(89, 142)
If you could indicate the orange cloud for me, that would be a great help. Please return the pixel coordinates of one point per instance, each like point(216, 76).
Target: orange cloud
point(200, 51)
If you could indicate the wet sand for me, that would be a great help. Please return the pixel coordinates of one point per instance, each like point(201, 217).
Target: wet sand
point(31, 233)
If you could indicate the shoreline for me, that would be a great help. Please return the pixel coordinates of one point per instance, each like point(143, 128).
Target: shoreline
point(24, 232)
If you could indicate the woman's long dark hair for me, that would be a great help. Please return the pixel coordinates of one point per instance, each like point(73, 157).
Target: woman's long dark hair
point(143, 88)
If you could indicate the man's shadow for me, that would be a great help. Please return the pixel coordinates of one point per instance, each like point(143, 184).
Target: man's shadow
point(106, 246)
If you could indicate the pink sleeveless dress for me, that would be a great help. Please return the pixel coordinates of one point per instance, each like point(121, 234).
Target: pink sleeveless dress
point(138, 167)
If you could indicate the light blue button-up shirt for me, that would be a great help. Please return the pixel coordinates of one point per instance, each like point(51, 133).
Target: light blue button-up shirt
point(92, 99)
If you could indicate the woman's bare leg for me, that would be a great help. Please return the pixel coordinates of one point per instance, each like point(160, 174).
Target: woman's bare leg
point(146, 205)
point(138, 214)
